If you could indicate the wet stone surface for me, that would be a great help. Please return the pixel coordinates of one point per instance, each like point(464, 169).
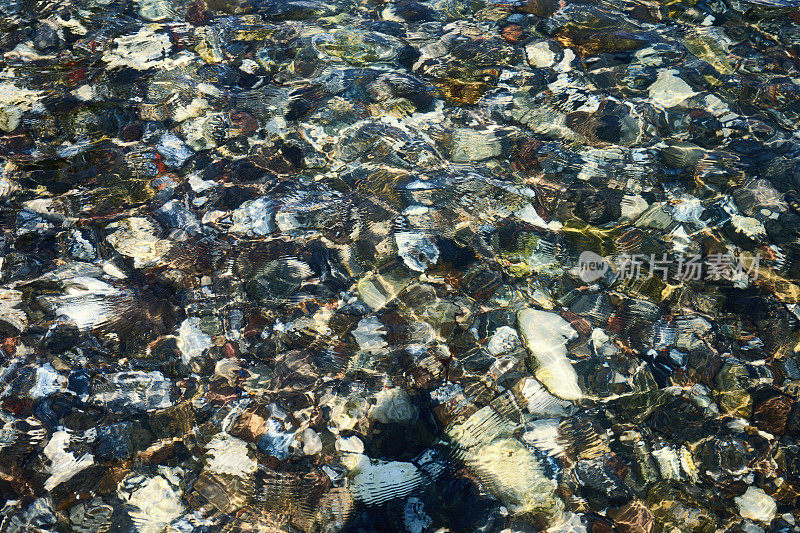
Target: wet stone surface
point(448, 265)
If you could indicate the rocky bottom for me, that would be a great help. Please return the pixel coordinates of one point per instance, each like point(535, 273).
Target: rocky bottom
point(436, 266)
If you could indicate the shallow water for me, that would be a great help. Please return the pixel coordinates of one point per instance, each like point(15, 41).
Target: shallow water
point(452, 265)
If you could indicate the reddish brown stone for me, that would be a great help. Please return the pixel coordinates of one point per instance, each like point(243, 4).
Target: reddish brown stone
point(17, 406)
point(131, 132)
point(633, 517)
point(512, 33)
point(243, 123)
point(76, 76)
point(10, 345)
point(16, 143)
point(527, 155)
point(197, 13)
point(229, 349)
point(251, 424)
point(164, 452)
point(771, 415)
point(615, 463)
point(600, 526)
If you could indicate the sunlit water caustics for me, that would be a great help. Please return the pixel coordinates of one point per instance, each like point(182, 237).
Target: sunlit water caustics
point(441, 266)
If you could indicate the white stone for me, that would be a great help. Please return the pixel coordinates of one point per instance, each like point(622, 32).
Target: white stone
point(565, 65)
point(84, 301)
point(155, 501)
point(351, 444)
point(199, 185)
point(379, 481)
point(135, 390)
point(173, 149)
point(417, 250)
point(527, 213)
point(113, 270)
point(229, 455)
point(136, 237)
point(540, 55)
point(541, 403)
point(14, 102)
point(482, 427)
point(369, 335)
point(633, 206)
point(669, 90)
point(312, 444)
point(757, 505)
point(63, 464)
point(504, 340)
point(569, 523)
point(10, 312)
point(475, 145)
point(141, 51)
point(371, 295)
point(543, 434)
point(393, 405)
point(749, 226)
point(199, 132)
point(546, 335)
point(345, 412)
point(191, 340)
point(516, 477)
point(154, 10)
point(48, 382)
point(668, 462)
point(254, 217)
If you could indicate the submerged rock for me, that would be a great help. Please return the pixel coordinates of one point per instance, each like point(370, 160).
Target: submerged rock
point(756, 505)
point(546, 336)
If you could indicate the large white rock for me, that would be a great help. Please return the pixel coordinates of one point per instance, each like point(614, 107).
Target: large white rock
point(153, 502)
point(756, 504)
point(516, 477)
point(63, 464)
point(11, 313)
point(350, 444)
point(669, 90)
point(86, 301)
point(155, 10)
point(481, 427)
point(506, 467)
point(543, 434)
point(542, 404)
point(312, 443)
point(48, 381)
point(504, 340)
point(229, 455)
point(370, 335)
point(136, 237)
point(376, 482)
point(192, 342)
point(14, 102)
point(141, 51)
point(254, 217)
point(392, 405)
point(546, 336)
point(418, 250)
point(540, 55)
